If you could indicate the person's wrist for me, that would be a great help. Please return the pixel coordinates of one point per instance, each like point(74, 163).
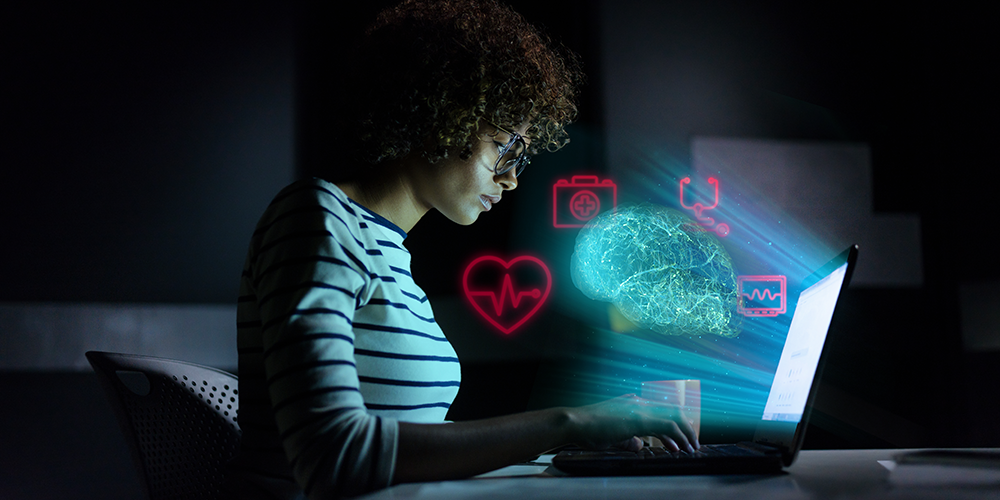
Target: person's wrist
point(566, 425)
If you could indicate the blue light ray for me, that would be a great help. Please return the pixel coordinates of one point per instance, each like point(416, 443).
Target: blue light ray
point(734, 379)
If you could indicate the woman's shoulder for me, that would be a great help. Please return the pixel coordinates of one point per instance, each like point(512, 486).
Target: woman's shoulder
point(310, 203)
point(313, 191)
point(317, 202)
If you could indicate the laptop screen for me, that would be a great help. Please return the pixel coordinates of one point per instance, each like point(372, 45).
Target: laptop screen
point(800, 357)
point(786, 412)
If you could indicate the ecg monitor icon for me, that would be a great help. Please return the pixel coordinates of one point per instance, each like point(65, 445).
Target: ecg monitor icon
point(505, 290)
point(762, 295)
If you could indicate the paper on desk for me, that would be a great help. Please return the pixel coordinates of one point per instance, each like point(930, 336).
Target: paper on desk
point(536, 467)
point(943, 475)
point(515, 471)
point(928, 474)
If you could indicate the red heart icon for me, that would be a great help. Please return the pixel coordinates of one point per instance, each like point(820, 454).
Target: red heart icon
point(502, 304)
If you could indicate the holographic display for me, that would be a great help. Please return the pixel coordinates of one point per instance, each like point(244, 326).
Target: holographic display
point(661, 273)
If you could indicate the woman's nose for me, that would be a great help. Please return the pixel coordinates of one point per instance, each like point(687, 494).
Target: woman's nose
point(507, 181)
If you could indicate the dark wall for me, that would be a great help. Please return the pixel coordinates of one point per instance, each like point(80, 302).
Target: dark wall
point(140, 143)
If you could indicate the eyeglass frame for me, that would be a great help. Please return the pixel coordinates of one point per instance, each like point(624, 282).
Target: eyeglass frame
point(521, 161)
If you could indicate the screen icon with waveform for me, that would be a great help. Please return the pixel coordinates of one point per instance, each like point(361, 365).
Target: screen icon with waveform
point(507, 294)
point(762, 295)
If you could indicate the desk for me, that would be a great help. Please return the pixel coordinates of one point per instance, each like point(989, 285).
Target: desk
point(816, 474)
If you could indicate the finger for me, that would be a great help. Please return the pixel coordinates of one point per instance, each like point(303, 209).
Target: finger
point(634, 444)
point(683, 426)
point(674, 432)
point(631, 444)
point(669, 443)
point(688, 430)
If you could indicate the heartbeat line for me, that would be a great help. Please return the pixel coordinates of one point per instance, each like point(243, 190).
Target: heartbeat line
point(756, 294)
point(515, 298)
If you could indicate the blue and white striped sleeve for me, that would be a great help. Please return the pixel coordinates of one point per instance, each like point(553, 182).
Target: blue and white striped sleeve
point(308, 277)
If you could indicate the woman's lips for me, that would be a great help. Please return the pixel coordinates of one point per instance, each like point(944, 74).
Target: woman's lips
point(488, 201)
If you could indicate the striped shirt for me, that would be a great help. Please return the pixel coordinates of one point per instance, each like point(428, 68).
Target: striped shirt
point(336, 345)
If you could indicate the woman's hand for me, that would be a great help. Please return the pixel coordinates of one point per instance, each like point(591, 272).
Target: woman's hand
point(434, 452)
point(617, 422)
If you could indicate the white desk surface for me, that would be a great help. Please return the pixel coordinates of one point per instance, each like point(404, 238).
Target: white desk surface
point(816, 474)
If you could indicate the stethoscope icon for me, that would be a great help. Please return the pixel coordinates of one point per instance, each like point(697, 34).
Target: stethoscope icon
point(704, 222)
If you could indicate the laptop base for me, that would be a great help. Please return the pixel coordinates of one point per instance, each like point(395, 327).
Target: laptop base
point(716, 459)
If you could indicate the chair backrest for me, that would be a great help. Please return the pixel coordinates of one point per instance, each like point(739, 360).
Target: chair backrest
point(179, 420)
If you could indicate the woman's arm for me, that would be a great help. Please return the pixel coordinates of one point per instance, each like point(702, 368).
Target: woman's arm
point(429, 452)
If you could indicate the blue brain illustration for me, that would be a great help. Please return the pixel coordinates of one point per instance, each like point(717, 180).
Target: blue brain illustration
point(660, 269)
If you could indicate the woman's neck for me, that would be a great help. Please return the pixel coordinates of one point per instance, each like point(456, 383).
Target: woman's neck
point(390, 194)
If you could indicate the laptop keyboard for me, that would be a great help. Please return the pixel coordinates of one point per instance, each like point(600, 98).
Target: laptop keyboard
point(659, 452)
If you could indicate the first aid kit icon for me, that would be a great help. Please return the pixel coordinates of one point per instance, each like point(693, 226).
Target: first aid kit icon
point(580, 199)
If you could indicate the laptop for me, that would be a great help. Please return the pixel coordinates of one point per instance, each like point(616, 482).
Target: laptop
point(782, 427)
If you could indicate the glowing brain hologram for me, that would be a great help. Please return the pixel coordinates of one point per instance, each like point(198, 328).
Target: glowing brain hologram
point(660, 269)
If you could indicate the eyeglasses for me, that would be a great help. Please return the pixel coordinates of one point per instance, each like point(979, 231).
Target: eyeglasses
point(511, 155)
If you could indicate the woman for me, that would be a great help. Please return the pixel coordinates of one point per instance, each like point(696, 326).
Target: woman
point(345, 377)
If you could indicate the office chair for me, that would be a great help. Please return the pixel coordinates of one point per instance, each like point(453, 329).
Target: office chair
point(179, 420)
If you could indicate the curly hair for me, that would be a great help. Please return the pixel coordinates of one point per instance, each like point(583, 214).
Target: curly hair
point(429, 73)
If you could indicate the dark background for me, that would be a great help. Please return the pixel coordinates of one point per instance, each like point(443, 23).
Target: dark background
point(139, 143)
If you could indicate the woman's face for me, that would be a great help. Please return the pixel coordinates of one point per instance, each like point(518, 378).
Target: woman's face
point(463, 189)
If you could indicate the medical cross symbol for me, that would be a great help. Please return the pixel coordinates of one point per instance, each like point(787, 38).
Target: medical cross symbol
point(584, 205)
